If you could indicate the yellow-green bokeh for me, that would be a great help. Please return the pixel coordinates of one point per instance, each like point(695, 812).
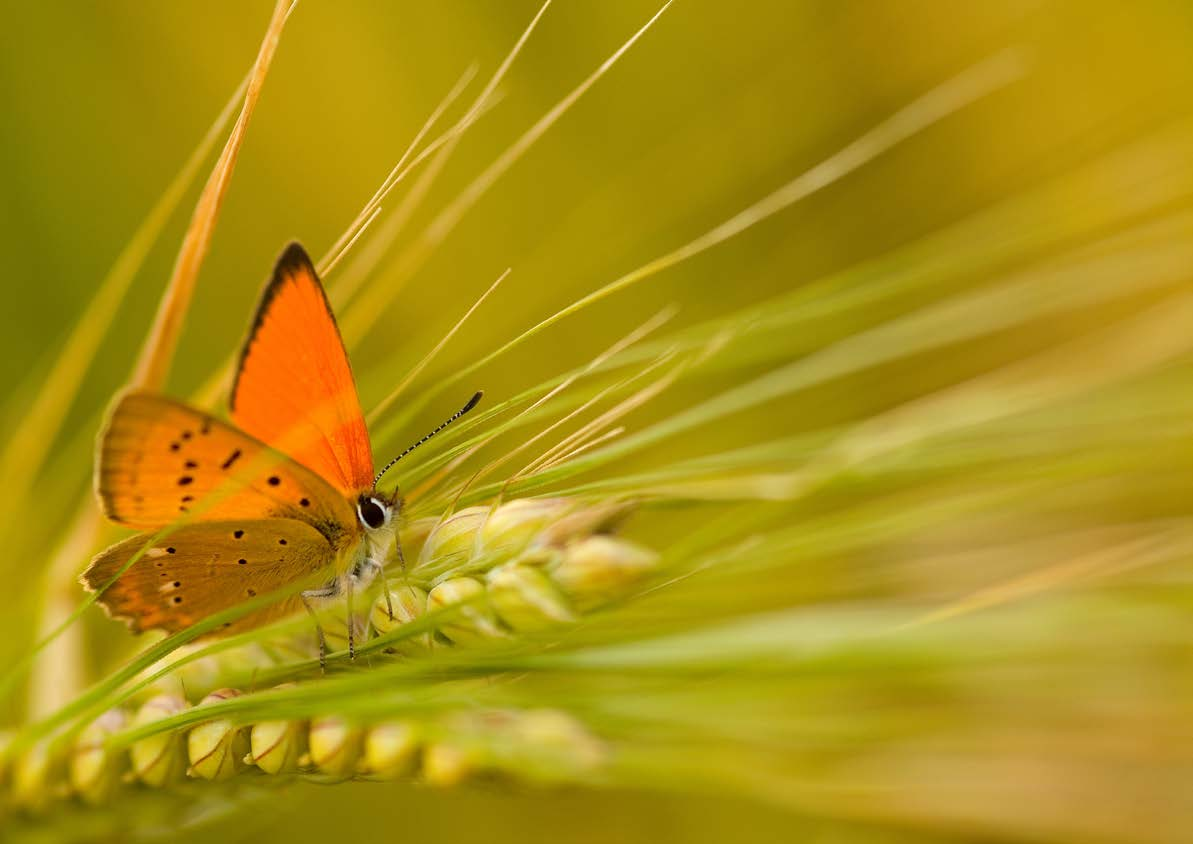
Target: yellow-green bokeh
point(717, 105)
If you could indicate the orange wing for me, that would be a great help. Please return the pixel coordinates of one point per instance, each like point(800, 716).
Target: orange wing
point(160, 460)
point(202, 568)
point(294, 387)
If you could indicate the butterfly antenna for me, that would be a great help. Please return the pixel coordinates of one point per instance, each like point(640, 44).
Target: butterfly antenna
point(472, 402)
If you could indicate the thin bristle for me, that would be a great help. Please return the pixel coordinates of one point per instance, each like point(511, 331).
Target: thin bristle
point(56, 628)
point(158, 351)
point(414, 372)
point(962, 90)
point(366, 312)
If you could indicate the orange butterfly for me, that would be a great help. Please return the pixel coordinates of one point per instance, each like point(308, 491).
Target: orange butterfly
point(286, 493)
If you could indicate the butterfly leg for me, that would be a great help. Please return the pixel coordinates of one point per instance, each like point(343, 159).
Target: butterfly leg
point(401, 557)
point(351, 619)
point(389, 603)
point(366, 574)
point(326, 592)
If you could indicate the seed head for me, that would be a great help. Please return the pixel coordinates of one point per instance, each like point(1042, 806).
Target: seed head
point(516, 524)
point(277, 746)
point(335, 746)
point(556, 746)
point(575, 522)
point(96, 771)
point(454, 536)
point(474, 620)
point(5, 761)
point(526, 599)
point(391, 750)
point(446, 765)
point(34, 776)
point(217, 748)
point(159, 759)
point(508, 529)
point(409, 603)
point(599, 569)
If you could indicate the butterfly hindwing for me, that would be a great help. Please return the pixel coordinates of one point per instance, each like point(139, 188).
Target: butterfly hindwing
point(160, 460)
point(294, 386)
point(203, 568)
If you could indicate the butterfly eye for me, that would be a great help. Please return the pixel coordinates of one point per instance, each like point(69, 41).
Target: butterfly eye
point(372, 512)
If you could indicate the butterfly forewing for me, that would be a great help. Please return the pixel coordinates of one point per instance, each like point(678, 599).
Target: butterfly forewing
point(294, 387)
point(161, 461)
point(200, 569)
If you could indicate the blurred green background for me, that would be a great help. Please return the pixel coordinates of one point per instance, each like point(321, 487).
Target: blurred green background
point(718, 105)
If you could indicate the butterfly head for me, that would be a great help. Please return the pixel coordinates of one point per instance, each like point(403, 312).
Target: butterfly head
point(375, 511)
point(377, 514)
